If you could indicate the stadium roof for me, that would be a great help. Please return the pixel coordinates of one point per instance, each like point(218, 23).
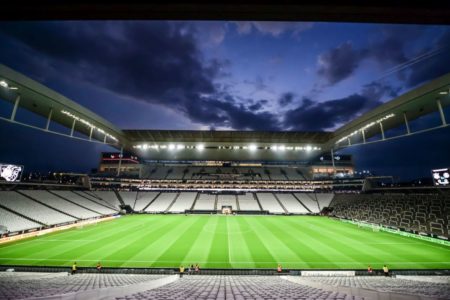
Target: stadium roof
point(199, 136)
point(53, 106)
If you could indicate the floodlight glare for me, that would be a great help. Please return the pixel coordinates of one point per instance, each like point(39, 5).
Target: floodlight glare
point(274, 148)
point(3, 84)
point(179, 146)
point(252, 147)
point(200, 147)
point(308, 148)
point(171, 147)
point(235, 147)
point(282, 147)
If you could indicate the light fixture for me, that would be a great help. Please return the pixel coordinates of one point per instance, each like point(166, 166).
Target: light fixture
point(3, 84)
point(308, 148)
point(282, 147)
point(252, 147)
point(171, 147)
point(179, 146)
point(200, 147)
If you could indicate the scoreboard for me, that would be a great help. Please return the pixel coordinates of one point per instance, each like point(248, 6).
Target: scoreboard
point(441, 177)
point(10, 172)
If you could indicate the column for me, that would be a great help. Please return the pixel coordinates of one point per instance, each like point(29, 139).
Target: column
point(441, 112)
point(120, 161)
point(382, 130)
point(73, 127)
point(408, 131)
point(49, 119)
point(14, 111)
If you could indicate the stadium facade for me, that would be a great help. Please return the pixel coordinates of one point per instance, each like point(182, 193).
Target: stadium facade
point(311, 152)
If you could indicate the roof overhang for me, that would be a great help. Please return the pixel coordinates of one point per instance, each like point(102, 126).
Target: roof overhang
point(410, 106)
point(47, 103)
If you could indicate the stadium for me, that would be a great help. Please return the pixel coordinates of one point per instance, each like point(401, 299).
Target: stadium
point(222, 214)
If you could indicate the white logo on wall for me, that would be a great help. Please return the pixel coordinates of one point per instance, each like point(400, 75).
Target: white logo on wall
point(10, 172)
point(441, 176)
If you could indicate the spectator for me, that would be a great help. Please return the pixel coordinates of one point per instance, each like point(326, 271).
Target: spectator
point(386, 271)
point(74, 268)
point(279, 270)
point(99, 266)
point(369, 270)
point(181, 271)
point(197, 268)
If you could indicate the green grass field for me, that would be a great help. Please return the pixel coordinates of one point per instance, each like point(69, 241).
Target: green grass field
point(218, 241)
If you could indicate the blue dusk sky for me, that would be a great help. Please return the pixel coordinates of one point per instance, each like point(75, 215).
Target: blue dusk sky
point(223, 75)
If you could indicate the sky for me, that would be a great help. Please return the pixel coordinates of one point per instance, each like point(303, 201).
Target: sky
point(222, 75)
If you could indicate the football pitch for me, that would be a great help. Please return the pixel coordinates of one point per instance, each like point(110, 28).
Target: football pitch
point(218, 241)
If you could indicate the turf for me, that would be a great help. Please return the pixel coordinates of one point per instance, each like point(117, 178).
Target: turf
point(216, 241)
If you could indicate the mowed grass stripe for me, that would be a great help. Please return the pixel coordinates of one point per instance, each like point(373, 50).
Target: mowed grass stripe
point(261, 255)
point(182, 243)
point(277, 249)
point(219, 254)
point(201, 244)
point(93, 241)
point(240, 255)
point(54, 250)
point(364, 247)
point(359, 256)
point(132, 245)
point(163, 241)
point(226, 242)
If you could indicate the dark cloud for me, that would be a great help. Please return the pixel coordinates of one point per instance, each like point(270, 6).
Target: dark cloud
point(339, 63)
point(257, 105)
point(376, 90)
point(436, 65)
point(326, 115)
point(388, 49)
point(220, 113)
point(286, 99)
point(318, 116)
point(155, 62)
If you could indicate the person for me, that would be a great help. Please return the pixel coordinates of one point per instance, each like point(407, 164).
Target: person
point(369, 270)
point(74, 268)
point(279, 269)
point(197, 268)
point(181, 271)
point(99, 266)
point(385, 271)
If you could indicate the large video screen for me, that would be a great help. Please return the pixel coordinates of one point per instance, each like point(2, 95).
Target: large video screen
point(10, 172)
point(441, 177)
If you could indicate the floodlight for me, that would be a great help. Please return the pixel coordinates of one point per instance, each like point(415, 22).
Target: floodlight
point(282, 147)
point(179, 146)
point(252, 147)
point(308, 148)
point(171, 147)
point(274, 148)
point(235, 147)
point(200, 147)
point(3, 84)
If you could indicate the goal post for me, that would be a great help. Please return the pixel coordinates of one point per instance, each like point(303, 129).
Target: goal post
point(227, 210)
